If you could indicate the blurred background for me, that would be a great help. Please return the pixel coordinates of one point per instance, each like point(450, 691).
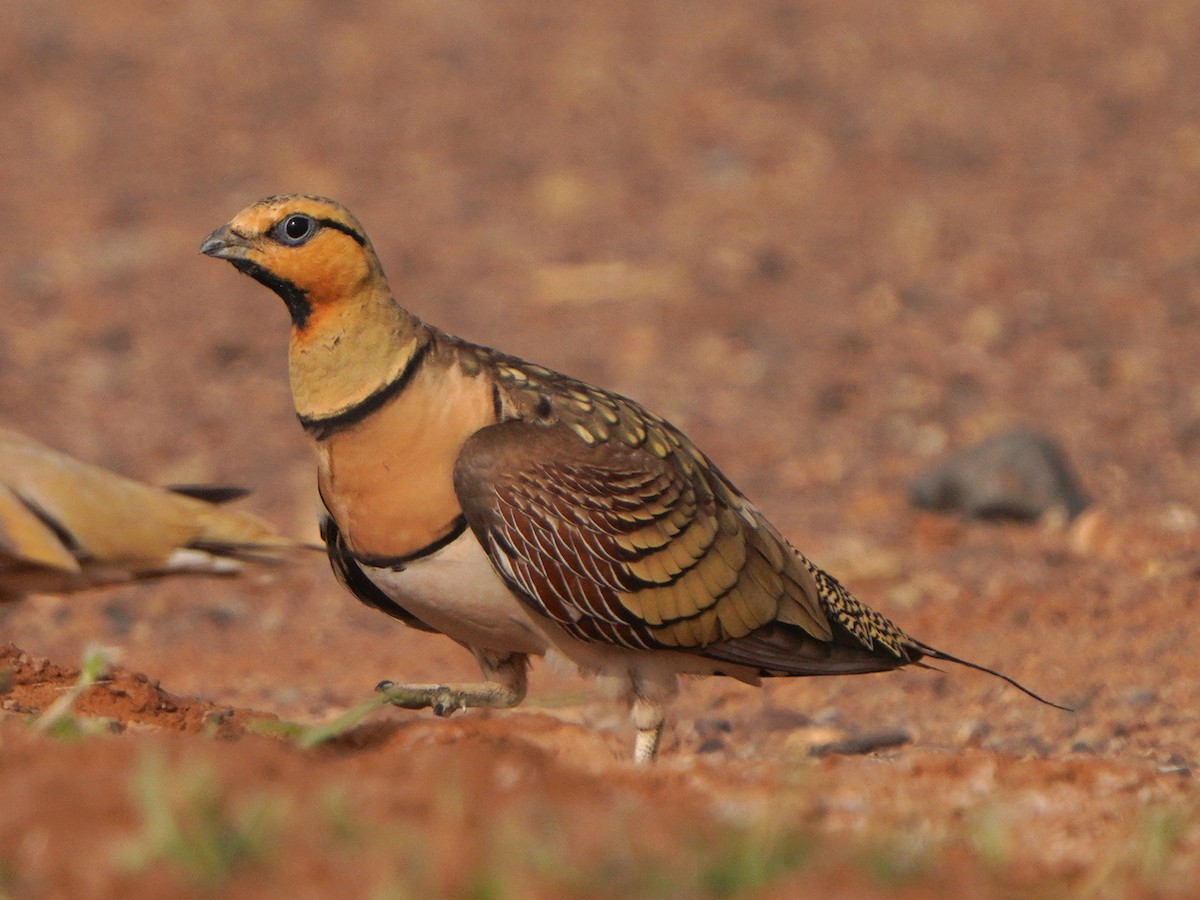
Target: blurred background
point(832, 242)
point(829, 243)
point(895, 230)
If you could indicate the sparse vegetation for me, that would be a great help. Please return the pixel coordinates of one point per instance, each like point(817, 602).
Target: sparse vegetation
point(1146, 856)
point(59, 718)
point(536, 851)
point(308, 736)
point(742, 859)
point(897, 861)
point(990, 836)
point(189, 822)
point(8, 879)
point(1157, 837)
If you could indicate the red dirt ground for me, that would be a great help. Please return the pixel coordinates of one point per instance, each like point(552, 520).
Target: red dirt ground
point(830, 241)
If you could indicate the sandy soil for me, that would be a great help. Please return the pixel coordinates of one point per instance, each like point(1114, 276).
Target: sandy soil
point(831, 241)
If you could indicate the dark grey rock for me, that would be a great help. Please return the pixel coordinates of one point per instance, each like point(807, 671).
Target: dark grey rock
point(1018, 475)
point(858, 744)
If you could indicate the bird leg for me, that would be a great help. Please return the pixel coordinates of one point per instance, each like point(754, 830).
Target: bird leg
point(650, 694)
point(504, 687)
point(649, 718)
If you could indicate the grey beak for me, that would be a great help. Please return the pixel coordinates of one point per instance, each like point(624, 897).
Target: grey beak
point(224, 244)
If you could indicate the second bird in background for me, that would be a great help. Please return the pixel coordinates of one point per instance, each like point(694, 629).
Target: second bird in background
point(67, 525)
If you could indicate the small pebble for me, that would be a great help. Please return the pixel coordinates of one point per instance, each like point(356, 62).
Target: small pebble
point(710, 728)
point(1174, 765)
point(862, 743)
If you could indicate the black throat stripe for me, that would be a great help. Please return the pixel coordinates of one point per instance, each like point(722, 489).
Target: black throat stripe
point(319, 428)
point(291, 293)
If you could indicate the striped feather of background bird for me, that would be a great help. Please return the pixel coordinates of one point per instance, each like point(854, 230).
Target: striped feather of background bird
point(66, 525)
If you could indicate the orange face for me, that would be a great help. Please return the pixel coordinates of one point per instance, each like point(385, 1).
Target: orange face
point(311, 251)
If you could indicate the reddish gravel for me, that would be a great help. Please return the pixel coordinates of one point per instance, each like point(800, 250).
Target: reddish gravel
point(831, 241)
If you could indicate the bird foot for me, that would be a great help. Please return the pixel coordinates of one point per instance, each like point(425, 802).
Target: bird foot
point(446, 699)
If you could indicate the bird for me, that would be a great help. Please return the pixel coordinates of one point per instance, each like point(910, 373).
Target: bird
point(67, 525)
point(524, 513)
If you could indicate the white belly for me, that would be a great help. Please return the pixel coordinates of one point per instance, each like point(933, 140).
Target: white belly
point(457, 591)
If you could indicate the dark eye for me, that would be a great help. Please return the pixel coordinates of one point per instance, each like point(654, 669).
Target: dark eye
point(296, 229)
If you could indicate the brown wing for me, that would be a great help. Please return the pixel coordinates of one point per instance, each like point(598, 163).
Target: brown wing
point(646, 549)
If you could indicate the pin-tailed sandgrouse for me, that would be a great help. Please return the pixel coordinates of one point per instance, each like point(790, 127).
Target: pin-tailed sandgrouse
point(522, 512)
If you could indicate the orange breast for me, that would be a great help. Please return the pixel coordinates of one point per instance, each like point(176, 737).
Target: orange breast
point(388, 480)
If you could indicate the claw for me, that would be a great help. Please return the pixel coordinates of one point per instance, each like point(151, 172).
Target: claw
point(446, 704)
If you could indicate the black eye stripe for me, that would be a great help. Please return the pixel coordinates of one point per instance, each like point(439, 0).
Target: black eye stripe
point(344, 229)
point(283, 228)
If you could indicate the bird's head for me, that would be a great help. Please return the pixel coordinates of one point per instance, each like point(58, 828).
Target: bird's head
point(309, 250)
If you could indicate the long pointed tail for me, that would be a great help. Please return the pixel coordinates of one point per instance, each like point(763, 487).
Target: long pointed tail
point(935, 653)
